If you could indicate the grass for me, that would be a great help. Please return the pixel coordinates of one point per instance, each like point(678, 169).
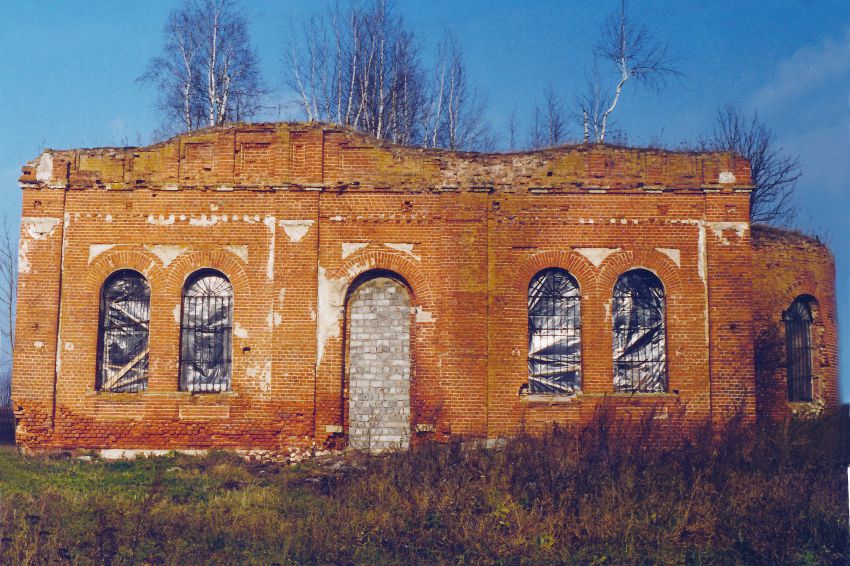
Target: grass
point(589, 496)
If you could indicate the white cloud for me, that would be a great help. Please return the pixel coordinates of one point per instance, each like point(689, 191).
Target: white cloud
point(807, 70)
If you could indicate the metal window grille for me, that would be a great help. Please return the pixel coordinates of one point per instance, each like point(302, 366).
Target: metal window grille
point(123, 337)
point(554, 333)
point(798, 337)
point(639, 345)
point(206, 330)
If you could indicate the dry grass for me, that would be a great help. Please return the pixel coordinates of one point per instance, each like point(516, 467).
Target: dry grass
point(587, 496)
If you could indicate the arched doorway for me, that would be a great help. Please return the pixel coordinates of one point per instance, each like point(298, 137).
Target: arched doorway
point(378, 364)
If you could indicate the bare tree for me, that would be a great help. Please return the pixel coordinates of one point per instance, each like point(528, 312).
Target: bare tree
point(8, 291)
point(548, 126)
point(637, 57)
point(537, 130)
point(455, 118)
point(774, 174)
point(360, 67)
point(207, 74)
point(513, 130)
point(8, 294)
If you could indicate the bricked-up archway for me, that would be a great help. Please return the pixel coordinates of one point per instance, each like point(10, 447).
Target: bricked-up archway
point(378, 362)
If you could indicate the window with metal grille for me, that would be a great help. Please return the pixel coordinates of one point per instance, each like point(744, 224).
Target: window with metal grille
point(554, 333)
point(798, 339)
point(122, 354)
point(206, 327)
point(640, 342)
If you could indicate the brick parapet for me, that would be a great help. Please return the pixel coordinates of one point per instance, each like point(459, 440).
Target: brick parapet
point(306, 156)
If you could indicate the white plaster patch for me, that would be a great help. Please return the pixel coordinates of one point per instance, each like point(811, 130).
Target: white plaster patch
point(336, 218)
point(405, 248)
point(132, 454)
point(69, 346)
point(161, 220)
point(239, 331)
point(672, 253)
point(39, 228)
point(270, 223)
point(166, 253)
point(702, 251)
point(97, 249)
point(726, 177)
point(596, 255)
point(213, 207)
point(281, 295)
point(296, 229)
point(266, 377)
point(331, 298)
point(38, 345)
point(204, 221)
point(264, 373)
point(423, 315)
point(176, 313)
point(108, 218)
point(718, 228)
point(44, 169)
point(239, 251)
point(349, 248)
point(273, 319)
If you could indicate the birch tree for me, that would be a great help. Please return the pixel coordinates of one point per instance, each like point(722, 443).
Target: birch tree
point(455, 116)
point(359, 66)
point(774, 173)
point(207, 73)
point(636, 56)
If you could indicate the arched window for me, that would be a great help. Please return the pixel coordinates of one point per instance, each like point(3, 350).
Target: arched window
point(798, 339)
point(554, 333)
point(122, 354)
point(206, 326)
point(640, 342)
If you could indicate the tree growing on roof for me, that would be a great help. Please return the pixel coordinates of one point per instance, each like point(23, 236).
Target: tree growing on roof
point(636, 56)
point(207, 73)
point(359, 66)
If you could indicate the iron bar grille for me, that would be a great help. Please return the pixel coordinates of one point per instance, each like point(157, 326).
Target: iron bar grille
point(798, 336)
point(554, 333)
point(206, 333)
point(123, 338)
point(639, 345)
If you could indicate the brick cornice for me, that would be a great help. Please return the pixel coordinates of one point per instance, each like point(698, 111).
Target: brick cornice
point(296, 156)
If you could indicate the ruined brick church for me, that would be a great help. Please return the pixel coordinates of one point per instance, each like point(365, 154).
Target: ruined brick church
point(282, 285)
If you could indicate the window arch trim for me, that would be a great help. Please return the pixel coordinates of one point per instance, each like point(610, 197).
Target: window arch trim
point(799, 319)
point(554, 333)
point(123, 333)
point(206, 332)
point(639, 330)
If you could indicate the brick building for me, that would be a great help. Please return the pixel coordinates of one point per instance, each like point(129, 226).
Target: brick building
point(275, 285)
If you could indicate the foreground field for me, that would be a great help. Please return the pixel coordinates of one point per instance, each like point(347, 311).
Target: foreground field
point(583, 497)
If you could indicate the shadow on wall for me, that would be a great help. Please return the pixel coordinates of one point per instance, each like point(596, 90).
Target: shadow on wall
point(7, 418)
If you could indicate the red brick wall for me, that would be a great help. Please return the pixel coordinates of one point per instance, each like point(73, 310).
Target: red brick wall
point(294, 213)
point(788, 265)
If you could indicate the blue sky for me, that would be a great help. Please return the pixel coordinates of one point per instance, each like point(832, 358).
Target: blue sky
point(68, 78)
